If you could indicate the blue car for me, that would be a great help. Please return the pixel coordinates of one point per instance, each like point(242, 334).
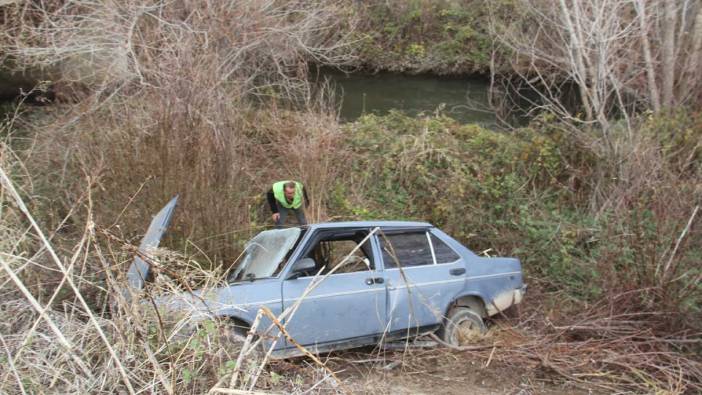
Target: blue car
point(352, 284)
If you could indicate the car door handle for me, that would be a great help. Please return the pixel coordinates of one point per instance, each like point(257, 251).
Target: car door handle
point(376, 280)
point(457, 272)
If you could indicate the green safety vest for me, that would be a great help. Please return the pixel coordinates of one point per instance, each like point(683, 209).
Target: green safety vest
point(279, 193)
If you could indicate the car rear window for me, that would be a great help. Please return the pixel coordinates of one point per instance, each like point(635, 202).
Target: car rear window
point(410, 249)
point(443, 253)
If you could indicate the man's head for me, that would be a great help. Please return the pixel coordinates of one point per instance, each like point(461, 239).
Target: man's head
point(289, 190)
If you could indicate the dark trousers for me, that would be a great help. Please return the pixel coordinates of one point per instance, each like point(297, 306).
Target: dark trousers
point(285, 212)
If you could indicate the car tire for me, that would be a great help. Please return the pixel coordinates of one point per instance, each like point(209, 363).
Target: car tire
point(233, 337)
point(461, 327)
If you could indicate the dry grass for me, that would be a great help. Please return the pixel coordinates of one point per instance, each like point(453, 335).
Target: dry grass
point(612, 346)
point(621, 350)
point(541, 351)
point(158, 99)
point(185, 98)
point(115, 344)
point(194, 98)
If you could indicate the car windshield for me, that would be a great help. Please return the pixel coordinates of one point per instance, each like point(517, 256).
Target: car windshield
point(265, 253)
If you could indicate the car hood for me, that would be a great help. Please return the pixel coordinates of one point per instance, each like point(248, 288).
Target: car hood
point(139, 269)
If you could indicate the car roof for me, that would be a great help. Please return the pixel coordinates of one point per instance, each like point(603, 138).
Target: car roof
point(368, 224)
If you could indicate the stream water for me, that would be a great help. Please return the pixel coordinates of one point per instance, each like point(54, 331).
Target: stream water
point(462, 98)
point(12, 85)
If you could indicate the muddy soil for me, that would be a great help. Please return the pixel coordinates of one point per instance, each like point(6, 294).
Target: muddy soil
point(442, 372)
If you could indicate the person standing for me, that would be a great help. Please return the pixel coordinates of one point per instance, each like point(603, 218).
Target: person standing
point(285, 197)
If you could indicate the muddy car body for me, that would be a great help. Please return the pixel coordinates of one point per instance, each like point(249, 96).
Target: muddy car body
point(395, 279)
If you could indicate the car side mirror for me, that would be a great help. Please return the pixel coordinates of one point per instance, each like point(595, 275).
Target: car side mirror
point(304, 265)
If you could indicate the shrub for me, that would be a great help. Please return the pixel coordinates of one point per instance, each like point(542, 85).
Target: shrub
point(579, 220)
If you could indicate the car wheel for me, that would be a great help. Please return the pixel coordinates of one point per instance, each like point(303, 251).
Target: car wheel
point(232, 337)
point(462, 326)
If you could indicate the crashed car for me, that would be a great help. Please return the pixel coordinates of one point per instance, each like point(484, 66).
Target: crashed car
point(352, 284)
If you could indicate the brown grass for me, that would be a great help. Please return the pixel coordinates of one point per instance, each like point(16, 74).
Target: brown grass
point(185, 98)
point(210, 101)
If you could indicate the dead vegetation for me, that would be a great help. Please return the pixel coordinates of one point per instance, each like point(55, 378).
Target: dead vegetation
point(159, 98)
point(185, 98)
point(65, 339)
point(55, 341)
point(589, 349)
point(623, 56)
point(599, 348)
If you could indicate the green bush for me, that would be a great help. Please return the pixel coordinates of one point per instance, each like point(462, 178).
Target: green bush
point(440, 36)
point(531, 193)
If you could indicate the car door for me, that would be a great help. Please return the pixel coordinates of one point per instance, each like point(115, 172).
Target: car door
point(422, 275)
point(348, 305)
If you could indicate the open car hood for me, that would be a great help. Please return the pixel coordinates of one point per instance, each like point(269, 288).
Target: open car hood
point(139, 270)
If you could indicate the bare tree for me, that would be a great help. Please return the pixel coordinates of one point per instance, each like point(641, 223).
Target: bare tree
point(648, 58)
point(621, 54)
point(259, 45)
point(668, 62)
point(187, 97)
point(692, 74)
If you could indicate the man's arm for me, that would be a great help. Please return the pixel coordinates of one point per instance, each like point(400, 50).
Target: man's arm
point(272, 202)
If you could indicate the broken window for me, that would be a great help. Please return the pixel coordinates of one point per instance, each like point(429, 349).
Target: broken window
point(443, 253)
point(335, 248)
point(264, 254)
point(409, 249)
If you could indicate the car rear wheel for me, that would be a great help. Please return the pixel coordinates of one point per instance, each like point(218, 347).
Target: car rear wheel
point(462, 327)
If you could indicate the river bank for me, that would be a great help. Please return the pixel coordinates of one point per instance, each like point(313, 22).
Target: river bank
point(212, 101)
point(461, 97)
point(13, 85)
point(439, 37)
point(464, 98)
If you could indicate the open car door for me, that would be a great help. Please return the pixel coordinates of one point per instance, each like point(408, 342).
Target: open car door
point(139, 270)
